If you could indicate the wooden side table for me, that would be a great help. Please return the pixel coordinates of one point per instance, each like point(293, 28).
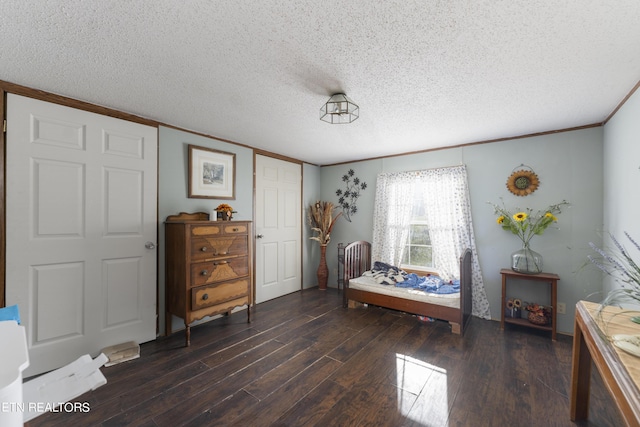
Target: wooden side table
point(551, 279)
point(620, 371)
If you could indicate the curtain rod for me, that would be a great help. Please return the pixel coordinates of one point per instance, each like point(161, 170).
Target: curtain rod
point(424, 170)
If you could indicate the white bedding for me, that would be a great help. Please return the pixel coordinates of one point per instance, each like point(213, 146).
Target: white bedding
point(369, 284)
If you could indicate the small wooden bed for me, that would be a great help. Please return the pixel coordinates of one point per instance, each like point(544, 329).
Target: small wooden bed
point(456, 311)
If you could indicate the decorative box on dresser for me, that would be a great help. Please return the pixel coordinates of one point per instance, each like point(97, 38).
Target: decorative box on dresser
point(208, 268)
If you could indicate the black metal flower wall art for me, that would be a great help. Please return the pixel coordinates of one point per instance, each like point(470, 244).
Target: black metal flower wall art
point(348, 197)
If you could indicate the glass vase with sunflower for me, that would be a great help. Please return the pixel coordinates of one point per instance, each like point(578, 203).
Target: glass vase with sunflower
point(525, 223)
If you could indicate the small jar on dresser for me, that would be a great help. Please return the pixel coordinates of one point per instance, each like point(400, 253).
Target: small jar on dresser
point(208, 268)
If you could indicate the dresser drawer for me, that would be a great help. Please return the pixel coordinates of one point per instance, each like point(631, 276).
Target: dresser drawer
point(206, 230)
point(235, 228)
point(219, 270)
point(206, 296)
point(217, 229)
point(206, 247)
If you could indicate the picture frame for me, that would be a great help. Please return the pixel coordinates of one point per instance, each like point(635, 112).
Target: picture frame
point(212, 174)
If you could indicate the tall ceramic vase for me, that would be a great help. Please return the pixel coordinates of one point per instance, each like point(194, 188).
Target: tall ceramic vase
point(526, 261)
point(323, 270)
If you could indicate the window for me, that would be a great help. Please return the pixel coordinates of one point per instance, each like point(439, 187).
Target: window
point(418, 252)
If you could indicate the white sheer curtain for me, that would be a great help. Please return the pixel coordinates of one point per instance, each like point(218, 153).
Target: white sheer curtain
point(392, 212)
point(448, 210)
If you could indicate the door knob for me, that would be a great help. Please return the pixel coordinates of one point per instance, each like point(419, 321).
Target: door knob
point(259, 236)
point(150, 245)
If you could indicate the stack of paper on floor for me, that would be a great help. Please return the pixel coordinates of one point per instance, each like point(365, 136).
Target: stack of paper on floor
point(121, 352)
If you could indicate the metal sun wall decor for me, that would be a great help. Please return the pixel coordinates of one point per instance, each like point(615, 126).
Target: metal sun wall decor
point(347, 198)
point(523, 181)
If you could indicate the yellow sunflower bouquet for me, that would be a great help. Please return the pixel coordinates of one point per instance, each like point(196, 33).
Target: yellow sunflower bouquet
point(225, 212)
point(524, 223)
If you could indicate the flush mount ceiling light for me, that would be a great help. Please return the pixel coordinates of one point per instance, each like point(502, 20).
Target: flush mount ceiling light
point(339, 109)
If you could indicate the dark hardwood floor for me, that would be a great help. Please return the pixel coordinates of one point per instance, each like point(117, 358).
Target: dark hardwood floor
point(305, 361)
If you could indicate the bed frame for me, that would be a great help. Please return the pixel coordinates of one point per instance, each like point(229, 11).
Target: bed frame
point(357, 260)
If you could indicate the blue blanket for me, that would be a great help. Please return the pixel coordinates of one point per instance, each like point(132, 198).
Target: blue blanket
point(430, 284)
point(387, 274)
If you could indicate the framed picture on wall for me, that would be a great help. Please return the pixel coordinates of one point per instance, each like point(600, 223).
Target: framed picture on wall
point(212, 174)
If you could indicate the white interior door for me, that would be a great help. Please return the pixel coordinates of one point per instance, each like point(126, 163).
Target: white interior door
point(278, 228)
point(81, 218)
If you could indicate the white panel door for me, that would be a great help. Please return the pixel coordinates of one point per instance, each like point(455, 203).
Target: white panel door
point(81, 230)
point(278, 228)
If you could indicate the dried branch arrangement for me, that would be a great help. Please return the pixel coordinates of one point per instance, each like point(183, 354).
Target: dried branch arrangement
point(321, 220)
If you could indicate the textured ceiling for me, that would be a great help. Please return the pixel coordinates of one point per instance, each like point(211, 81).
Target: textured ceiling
point(425, 74)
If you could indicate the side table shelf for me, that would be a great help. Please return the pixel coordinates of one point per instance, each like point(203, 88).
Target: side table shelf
point(549, 278)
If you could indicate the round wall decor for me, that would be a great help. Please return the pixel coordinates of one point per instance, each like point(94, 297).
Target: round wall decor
point(523, 181)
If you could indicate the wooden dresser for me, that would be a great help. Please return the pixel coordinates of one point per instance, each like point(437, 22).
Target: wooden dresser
point(208, 267)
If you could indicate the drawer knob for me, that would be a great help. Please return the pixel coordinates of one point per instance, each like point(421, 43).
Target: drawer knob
point(204, 249)
point(235, 229)
point(205, 297)
point(204, 272)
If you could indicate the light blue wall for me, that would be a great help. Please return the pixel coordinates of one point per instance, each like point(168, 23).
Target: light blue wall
point(173, 189)
point(622, 173)
point(569, 165)
point(361, 225)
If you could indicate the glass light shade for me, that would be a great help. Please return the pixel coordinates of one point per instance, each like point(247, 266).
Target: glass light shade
point(339, 109)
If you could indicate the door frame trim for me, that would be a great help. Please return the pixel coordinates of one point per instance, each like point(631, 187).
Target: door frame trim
point(3, 204)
